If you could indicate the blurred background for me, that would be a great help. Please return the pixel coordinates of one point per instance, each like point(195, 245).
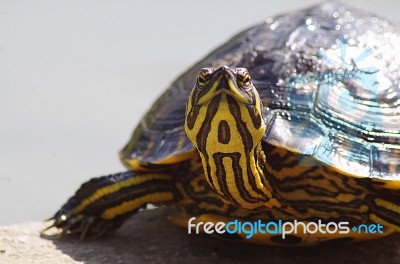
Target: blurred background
point(76, 77)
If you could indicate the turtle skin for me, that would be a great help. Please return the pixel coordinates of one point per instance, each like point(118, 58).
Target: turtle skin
point(328, 78)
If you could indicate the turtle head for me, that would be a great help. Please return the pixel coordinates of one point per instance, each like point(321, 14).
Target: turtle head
point(224, 109)
point(224, 122)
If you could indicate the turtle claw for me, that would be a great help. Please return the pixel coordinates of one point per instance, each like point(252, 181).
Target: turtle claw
point(86, 226)
point(81, 215)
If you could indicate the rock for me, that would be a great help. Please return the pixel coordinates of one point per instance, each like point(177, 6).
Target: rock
point(149, 238)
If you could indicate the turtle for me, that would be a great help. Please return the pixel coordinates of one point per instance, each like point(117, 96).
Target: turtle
point(293, 120)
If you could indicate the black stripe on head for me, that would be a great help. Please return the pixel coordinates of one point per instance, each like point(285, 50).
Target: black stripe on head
point(255, 115)
point(247, 138)
point(224, 132)
point(192, 115)
point(201, 138)
point(221, 173)
point(205, 128)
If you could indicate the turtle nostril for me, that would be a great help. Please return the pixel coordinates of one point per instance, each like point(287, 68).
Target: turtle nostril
point(224, 68)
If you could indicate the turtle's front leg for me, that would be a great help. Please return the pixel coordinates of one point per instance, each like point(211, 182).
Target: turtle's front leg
point(103, 204)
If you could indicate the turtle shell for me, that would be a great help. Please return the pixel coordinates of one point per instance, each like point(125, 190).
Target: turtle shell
point(329, 79)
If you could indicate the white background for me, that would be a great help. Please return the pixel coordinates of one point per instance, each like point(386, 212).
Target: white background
point(76, 76)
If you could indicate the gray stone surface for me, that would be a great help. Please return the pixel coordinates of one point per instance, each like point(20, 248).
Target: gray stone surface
point(149, 238)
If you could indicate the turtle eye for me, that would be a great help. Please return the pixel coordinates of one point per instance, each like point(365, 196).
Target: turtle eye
point(243, 77)
point(203, 77)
